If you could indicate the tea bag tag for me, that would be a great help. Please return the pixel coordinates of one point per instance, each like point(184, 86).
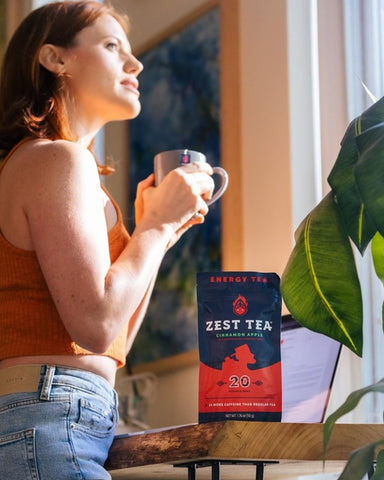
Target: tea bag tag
point(185, 158)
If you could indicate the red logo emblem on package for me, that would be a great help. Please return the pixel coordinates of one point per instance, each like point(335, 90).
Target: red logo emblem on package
point(240, 306)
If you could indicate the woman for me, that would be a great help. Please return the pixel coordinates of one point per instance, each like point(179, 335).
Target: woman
point(74, 286)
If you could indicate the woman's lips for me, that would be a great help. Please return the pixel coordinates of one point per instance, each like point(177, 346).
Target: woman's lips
point(131, 84)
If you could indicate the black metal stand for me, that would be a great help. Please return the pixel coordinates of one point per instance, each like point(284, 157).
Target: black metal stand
point(215, 465)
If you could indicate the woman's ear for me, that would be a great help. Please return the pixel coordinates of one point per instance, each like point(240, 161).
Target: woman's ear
point(50, 57)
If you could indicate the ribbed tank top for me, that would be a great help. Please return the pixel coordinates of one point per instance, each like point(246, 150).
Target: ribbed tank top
point(29, 321)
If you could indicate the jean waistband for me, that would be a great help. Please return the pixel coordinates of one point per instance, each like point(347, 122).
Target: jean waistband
point(41, 378)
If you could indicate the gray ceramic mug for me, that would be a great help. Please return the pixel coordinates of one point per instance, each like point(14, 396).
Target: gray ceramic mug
point(164, 162)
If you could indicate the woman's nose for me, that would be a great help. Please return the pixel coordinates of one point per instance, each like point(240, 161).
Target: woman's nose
point(133, 65)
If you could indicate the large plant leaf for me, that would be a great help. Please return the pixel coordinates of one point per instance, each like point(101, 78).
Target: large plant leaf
point(342, 180)
point(320, 285)
point(369, 173)
point(359, 226)
point(350, 403)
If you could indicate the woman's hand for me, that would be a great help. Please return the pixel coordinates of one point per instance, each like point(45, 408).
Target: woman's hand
point(139, 201)
point(180, 199)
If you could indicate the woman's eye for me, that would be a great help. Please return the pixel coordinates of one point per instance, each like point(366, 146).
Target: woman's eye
point(112, 46)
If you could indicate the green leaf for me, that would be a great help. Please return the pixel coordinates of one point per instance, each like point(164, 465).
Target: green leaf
point(369, 173)
point(347, 196)
point(350, 403)
point(372, 115)
point(379, 472)
point(320, 285)
point(360, 462)
point(377, 249)
point(342, 179)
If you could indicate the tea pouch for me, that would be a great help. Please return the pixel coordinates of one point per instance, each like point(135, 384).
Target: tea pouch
point(239, 321)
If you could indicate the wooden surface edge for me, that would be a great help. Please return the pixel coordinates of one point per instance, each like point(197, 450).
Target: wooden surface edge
point(162, 446)
point(290, 441)
point(237, 440)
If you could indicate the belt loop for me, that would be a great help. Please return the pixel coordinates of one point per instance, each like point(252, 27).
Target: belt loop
point(47, 382)
point(115, 398)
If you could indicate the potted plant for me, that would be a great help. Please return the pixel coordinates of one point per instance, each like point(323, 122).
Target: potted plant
point(320, 284)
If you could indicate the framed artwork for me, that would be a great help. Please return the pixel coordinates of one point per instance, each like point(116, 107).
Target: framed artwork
point(180, 96)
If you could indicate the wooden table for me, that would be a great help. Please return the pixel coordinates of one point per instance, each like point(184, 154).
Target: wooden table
point(297, 447)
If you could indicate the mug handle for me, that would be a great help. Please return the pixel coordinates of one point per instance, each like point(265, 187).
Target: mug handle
point(223, 186)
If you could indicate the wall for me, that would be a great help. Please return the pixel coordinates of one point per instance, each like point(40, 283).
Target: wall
point(266, 194)
point(257, 228)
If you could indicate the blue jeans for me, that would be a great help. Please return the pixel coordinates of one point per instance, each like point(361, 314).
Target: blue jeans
point(61, 431)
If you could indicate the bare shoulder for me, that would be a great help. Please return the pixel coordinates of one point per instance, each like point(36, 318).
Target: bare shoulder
point(42, 178)
point(37, 155)
point(60, 168)
point(46, 168)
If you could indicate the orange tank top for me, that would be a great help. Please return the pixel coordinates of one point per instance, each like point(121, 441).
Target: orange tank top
point(29, 321)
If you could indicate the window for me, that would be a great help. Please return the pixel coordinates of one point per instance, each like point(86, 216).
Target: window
point(364, 41)
point(334, 46)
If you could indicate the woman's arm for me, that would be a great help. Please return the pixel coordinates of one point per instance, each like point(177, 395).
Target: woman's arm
point(138, 317)
point(65, 213)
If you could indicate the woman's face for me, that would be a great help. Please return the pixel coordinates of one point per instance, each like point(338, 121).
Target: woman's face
point(101, 73)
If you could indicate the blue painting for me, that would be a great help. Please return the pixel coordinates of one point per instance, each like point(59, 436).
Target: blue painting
point(180, 98)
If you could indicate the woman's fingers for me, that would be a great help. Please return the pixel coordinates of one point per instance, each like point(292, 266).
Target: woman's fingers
point(139, 201)
point(180, 199)
point(199, 176)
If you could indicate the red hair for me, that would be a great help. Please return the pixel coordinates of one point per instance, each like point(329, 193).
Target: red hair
point(31, 97)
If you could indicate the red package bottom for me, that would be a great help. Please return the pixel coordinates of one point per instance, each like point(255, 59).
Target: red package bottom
point(238, 393)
